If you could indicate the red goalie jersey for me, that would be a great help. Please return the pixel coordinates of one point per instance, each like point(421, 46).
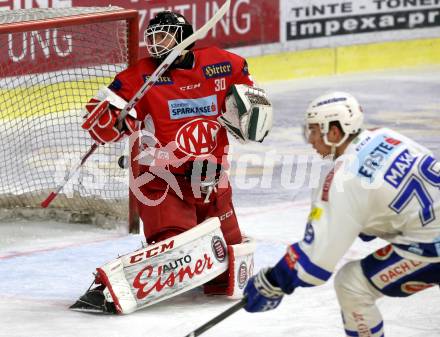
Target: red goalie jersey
point(181, 109)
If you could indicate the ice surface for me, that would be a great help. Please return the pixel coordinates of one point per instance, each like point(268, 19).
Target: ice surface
point(45, 267)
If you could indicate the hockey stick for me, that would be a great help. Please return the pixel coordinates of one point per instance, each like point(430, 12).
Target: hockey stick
point(225, 314)
point(46, 202)
point(175, 53)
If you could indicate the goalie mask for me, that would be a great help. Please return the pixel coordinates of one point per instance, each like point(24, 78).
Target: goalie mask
point(165, 31)
point(335, 107)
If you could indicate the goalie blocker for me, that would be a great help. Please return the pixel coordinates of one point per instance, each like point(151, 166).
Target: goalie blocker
point(248, 115)
point(101, 119)
point(168, 268)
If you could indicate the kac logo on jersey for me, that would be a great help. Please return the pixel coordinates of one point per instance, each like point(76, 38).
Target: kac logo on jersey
point(218, 70)
point(198, 137)
point(182, 108)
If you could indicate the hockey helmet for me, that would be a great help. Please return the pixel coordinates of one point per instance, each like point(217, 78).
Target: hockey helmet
point(165, 31)
point(335, 107)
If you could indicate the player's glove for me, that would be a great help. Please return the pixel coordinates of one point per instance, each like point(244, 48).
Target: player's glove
point(261, 294)
point(102, 122)
point(248, 115)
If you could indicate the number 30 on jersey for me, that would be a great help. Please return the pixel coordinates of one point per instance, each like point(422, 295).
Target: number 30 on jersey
point(220, 84)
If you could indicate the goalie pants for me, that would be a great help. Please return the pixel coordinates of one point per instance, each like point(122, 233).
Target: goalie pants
point(174, 215)
point(360, 283)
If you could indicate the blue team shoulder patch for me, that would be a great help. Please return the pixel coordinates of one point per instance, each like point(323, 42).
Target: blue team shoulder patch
point(309, 234)
point(245, 69)
point(222, 69)
point(115, 85)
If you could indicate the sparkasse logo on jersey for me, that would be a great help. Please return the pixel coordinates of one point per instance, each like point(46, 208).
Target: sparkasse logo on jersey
point(182, 108)
point(218, 70)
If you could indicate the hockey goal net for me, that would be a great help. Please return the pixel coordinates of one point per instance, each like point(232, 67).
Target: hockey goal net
point(52, 61)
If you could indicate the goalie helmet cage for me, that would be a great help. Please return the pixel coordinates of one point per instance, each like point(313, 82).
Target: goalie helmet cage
point(52, 61)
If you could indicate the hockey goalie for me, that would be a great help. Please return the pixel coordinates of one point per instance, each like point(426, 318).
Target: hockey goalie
point(185, 200)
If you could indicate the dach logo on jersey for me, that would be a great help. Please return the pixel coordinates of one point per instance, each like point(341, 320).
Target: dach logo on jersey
point(194, 107)
point(163, 80)
point(218, 70)
point(198, 137)
point(394, 273)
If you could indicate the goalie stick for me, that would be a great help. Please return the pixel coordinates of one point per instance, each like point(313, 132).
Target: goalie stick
point(197, 35)
point(217, 319)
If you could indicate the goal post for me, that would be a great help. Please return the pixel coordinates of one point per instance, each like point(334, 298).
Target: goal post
point(52, 61)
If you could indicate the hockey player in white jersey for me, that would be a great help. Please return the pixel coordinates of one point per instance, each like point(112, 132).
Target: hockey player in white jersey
point(382, 184)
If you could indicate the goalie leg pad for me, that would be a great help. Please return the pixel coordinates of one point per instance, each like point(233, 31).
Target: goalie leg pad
point(240, 269)
point(167, 268)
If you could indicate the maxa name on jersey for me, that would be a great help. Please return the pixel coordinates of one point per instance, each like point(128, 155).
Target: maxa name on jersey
point(399, 169)
point(374, 160)
point(160, 81)
point(218, 70)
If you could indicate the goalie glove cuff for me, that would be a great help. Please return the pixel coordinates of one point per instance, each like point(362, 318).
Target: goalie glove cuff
point(248, 115)
point(102, 122)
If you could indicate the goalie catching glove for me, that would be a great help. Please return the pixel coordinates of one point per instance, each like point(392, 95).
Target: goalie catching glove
point(101, 120)
point(248, 115)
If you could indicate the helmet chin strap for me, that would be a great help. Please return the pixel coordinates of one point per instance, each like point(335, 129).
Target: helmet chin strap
point(334, 146)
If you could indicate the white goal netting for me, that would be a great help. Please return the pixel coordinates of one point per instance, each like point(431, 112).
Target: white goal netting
point(52, 61)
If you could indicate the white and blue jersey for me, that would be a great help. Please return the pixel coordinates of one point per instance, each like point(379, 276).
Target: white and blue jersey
point(384, 185)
